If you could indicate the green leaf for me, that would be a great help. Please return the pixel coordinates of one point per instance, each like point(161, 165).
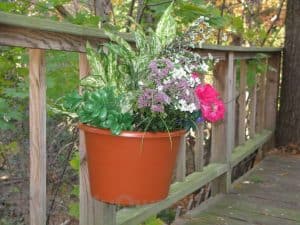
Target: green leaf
point(75, 161)
point(94, 61)
point(166, 27)
point(75, 191)
point(120, 41)
point(103, 114)
point(74, 209)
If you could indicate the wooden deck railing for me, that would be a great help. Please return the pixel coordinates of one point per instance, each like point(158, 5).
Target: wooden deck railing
point(249, 123)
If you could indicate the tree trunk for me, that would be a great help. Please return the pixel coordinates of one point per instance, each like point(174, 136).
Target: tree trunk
point(103, 8)
point(288, 129)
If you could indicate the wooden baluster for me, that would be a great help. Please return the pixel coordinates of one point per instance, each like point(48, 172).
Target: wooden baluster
point(261, 95)
point(181, 161)
point(242, 104)
point(92, 212)
point(252, 108)
point(223, 133)
point(37, 118)
point(199, 148)
point(199, 144)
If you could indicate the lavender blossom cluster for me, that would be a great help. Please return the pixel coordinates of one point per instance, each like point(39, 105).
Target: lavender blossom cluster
point(169, 85)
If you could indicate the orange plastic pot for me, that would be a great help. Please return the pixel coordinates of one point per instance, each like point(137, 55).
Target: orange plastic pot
point(133, 168)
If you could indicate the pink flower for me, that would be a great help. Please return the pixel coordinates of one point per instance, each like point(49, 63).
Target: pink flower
point(195, 74)
point(206, 93)
point(213, 111)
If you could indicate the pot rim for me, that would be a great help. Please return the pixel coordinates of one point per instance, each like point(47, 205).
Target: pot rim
point(131, 134)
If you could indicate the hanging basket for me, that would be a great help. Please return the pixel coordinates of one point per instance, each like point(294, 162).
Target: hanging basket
point(133, 168)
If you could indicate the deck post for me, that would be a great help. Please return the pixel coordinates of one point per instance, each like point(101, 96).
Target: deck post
point(223, 133)
point(92, 212)
point(37, 121)
point(271, 101)
point(272, 85)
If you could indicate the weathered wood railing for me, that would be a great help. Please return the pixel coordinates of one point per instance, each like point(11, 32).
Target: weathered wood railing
point(243, 131)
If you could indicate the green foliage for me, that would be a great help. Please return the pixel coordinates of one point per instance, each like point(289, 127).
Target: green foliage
point(12, 148)
point(14, 87)
point(167, 215)
point(100, 108)
point(166, 28)
point(255, 68)
point(115, 73)
point(133, 64)
point(153, 221)
point(75, 161)
point(74, 210)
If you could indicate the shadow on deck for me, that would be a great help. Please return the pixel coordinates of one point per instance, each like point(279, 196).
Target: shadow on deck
point(269, 195)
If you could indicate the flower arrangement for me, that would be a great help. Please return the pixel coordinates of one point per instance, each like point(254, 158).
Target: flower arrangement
point(156, 86)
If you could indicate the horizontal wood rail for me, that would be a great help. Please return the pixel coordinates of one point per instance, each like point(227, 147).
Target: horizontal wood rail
point(249, 122)
point(137, 215)
point(32, 32)
point(243, 151)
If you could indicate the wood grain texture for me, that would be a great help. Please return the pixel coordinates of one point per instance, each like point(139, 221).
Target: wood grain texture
point(272, 86)
point(253, 103)
point(92, 212)
point(269, 195)
point(199, 148)
point(243, 151)
point(242, 104)
point(218, 129)
point(37, 118)
point(261, 96)
point(137, 215)
point(181, 161)
point(30, 38)
point(218, 151)
point(15, 28)
point(223, 133)
point(229, 98)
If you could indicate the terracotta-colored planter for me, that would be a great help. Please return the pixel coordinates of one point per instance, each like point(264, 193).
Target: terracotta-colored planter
point(132, 168)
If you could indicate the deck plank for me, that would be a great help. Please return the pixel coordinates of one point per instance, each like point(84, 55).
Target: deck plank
point(270, 195)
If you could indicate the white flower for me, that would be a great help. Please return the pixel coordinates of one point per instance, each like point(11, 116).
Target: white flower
point(198, 81)
point(141, 83)
point(191, 107)
point(160, 88)
point(204, 66)
point(167, 81)
point(178, 73)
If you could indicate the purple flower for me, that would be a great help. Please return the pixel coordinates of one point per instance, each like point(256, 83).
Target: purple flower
point(157, 108)
point(200, 120)
point(162, 97)
point(160, 68)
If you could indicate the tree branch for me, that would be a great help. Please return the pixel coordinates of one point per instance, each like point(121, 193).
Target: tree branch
point(161, 3)
point(140, 11)
point(273, 22)
point(130, 12)
point(62, 11)
point(222, 13)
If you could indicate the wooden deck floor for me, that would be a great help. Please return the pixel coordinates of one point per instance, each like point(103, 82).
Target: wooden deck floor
point(270, 195)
